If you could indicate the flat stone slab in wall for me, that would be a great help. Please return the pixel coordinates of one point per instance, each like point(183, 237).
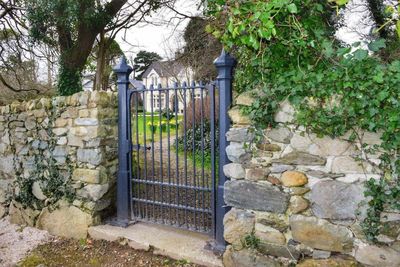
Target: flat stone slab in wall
point(321, 234)
point(256, 196)
point(336, 200)
point(300, 158)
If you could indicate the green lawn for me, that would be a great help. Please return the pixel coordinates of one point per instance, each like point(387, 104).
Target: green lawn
point(149, 128)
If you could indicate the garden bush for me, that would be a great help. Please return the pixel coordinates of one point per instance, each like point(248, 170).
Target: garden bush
point(197, 138)
point(200, 114)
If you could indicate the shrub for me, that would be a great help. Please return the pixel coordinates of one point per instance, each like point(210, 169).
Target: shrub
point(196, 138)
point(199, 116)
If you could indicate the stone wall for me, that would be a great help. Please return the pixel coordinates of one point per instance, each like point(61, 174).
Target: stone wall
point(297, 198)
point(58, 161)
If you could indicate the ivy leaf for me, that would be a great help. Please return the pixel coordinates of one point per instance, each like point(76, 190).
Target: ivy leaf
point(327, 48)
point(377, 45)
point(339, 2)
point(292, 8)
point(360, 54)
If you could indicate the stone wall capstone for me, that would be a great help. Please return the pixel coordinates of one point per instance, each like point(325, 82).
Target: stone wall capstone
point(58, 161)
point(300, 198)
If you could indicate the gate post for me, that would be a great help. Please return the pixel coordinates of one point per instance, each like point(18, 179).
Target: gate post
point(225, 65)
point(122, 69)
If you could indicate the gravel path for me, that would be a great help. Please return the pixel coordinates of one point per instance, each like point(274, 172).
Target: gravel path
point(16, 241)
point(165, 163)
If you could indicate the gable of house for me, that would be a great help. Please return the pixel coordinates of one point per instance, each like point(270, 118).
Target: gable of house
point(164, 69)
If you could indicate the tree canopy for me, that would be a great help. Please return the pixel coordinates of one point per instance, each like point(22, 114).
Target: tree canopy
point(73, 25)
point(142, 61)
point(200, 49)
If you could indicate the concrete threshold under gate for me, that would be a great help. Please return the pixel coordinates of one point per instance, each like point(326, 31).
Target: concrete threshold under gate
point(174, 243)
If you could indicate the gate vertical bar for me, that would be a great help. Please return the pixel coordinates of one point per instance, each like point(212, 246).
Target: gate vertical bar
point(122, 69)
point(225, 64)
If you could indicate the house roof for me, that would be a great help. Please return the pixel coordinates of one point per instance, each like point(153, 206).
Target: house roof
point(164, 68)
point(136, 83)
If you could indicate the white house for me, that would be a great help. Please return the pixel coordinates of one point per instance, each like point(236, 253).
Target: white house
point(166, 73)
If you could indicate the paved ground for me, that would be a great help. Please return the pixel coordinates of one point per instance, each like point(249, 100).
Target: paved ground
point(31, 247)
point(174, 243)
point(16, 241)
point(159, 165)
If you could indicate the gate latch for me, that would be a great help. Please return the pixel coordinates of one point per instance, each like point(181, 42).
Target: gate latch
point(138, 147)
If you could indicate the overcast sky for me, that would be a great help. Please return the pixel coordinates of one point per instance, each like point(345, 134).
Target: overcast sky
point(162, 37)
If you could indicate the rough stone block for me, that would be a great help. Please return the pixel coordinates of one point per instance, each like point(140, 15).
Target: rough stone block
point(92, 156)
point(346, 164)
point(294, 179)
point(269, 147)
point(301, 142)
point(285, 251)
point(276, 221)
point(237, 225)
point(246, 98)
point(234, 171)
point(240, 135)
point(22, 216)
point(86, 122)
point(377, 256)
point(321, 234)
point(37, 191)
point(93, 191)
point(336, 262)
point(269, 235)
point(237, 117)
point(90, 176)
point(298, 204)
point(327, 146)
point(234, 258)
point(281, 135)
point(285, 113)
point(66, 221)
point(336, 200)
point(237, 153)
point(255, 196)
point(257, 174)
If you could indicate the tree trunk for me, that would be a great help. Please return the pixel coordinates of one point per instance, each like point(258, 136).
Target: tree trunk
point(49, 77)
point(100, 64)
point(74, 53)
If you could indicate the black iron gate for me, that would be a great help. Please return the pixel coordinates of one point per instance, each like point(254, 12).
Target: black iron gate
point(171, 152)
point(174, 141)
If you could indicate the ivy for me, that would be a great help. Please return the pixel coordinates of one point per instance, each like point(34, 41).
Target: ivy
point(287, 51)
point(54, 179)
point(69, 81)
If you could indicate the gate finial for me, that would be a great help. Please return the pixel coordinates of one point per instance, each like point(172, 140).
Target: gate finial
point(122, 67)
point(224, 59)
point(225, 64)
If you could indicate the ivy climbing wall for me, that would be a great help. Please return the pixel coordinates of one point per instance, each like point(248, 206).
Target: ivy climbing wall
point(58, 161)
point(298, 198)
